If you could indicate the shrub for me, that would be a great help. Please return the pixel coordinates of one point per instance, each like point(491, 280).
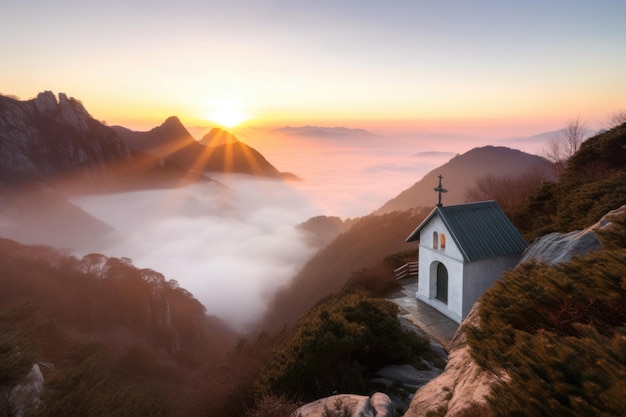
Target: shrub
point(338, 345)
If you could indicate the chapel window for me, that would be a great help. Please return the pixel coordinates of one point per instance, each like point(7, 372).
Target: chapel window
point(442, 241)
point(435, 240)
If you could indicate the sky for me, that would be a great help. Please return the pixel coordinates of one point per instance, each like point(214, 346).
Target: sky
point(517, 67)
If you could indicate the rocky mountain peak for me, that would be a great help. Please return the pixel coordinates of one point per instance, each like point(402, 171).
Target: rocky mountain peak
point(67, 111)
point(45, 136)
point(46, 102)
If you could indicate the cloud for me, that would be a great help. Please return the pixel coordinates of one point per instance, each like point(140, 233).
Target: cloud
point(230, 247)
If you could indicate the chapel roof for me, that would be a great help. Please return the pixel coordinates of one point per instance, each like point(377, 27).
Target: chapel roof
point(480, 230)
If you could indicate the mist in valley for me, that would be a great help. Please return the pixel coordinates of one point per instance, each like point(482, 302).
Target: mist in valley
point(234, 242)
point(230, 245)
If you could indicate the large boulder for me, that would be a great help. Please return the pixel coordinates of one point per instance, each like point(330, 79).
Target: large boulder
point(556, 247)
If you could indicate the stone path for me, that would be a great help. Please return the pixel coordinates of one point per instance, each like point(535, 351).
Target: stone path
point(430, 321)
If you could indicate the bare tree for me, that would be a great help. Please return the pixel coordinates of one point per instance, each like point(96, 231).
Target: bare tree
point(565, 143)
point(617, 118)
point(511, 193)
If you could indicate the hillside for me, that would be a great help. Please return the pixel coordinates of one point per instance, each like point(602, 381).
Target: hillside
point(109, 338)
point(593, 183)
point(462, 171)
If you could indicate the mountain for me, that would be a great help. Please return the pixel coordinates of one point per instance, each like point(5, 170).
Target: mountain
point(57, 141)
point(217, 137)
point(320, 131)
point(462, 171)
point(49, 148)
point(172, 142)
point(44, 137)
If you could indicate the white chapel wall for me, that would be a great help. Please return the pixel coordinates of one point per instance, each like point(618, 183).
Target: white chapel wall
point(452, 258)
point(480, 276)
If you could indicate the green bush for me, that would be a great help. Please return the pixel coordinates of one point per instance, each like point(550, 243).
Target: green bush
point(338, 345)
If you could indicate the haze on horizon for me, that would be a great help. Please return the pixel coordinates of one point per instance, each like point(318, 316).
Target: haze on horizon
point(518, 68)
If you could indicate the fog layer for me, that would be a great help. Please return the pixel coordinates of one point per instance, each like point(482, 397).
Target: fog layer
point(231, 246)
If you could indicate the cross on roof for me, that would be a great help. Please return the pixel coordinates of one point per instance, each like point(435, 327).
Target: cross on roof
point(439, 188)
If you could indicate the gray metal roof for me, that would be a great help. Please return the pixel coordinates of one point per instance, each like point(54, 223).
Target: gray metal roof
point(480, 230)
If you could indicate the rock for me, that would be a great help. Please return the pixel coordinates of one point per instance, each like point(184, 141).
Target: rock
point(45, 102)
point(379, 405)
point(382, 404)
point(560, 247)
point(555, 248)
point(27, 395)
point(461, 382)
point(407, 375)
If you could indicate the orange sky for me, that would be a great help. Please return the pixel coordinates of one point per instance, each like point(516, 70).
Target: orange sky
point(520, 68)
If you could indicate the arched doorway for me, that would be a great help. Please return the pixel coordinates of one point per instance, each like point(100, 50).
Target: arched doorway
point(442, 283)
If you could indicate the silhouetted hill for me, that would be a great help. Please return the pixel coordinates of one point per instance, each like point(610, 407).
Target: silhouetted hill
point(217, 137)
point(40, 214)
point(460, 174)
point(171, 141)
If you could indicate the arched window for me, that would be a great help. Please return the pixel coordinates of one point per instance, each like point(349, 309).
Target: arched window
point(442, 241)
point(435, 240)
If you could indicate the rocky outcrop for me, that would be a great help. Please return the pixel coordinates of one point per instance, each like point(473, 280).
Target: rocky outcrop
point(43, 137)
point(27, 395)
point(555, 248)
point(348, 405)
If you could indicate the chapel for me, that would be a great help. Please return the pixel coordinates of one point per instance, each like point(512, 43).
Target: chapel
point(463, 249)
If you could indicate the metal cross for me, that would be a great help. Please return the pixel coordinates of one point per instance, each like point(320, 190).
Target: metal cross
point(440, 190)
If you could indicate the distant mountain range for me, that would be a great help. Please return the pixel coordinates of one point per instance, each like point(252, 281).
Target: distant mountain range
point(320, 131)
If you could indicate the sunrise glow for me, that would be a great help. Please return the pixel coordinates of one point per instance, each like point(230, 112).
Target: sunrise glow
point(227, 112)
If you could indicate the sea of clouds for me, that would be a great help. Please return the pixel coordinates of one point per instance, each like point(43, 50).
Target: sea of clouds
point(230, 245)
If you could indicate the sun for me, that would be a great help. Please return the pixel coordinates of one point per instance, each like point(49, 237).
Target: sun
point(228, 113)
